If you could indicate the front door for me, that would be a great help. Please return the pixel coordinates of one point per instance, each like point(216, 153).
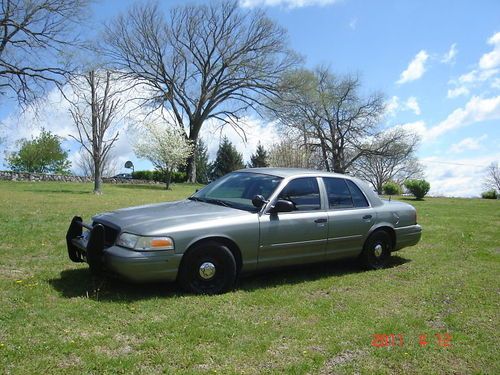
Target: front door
point(295, 237)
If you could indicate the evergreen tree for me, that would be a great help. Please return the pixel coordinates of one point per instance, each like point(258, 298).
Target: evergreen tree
point(259, 159)
point(202, 164)
point(228, 159)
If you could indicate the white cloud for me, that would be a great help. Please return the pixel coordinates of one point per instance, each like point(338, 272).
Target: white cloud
point(457, 178)
point(53, 115)
point(475, 76)
point(285, 3)
point(450, 56)
point(415, 69)
point(394, 105)
point(458, 91)
point(256, 131)
point(417, 127)
point(412, 104)
point(476, 110)
point(353, 23)
point(486, 70)
point(468, 144)
point(491, 59)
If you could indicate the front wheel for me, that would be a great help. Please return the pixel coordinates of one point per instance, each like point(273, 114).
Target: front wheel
point(209, 268)
point(376, 251)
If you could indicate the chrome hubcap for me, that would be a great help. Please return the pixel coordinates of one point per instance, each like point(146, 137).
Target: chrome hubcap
point(207, 270)
point(378, 250)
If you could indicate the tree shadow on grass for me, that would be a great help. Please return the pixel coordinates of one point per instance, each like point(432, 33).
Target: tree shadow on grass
point(160, 187)
point(81, 283)
point(62, 191)
point(410, 199)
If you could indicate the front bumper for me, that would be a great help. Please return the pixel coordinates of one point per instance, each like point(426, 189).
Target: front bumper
point(139, 266)
point(407, 236)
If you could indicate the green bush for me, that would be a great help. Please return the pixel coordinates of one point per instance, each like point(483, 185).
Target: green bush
point(490, 194)
point(143, 175)
point(178, 177)
point(159, 176)
point(391, 188)
point(419, 188)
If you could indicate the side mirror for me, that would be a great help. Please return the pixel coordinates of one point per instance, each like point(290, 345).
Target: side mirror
point(258, 201)
point(282, 205)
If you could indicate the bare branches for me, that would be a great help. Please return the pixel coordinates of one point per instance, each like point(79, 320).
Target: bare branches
point(94, 111)
point(34, 35)
point(392, 159)
point(202, 61)
point(329, 114)
point(492, 179)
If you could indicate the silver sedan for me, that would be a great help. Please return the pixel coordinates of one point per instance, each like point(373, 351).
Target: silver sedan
point(248, 220)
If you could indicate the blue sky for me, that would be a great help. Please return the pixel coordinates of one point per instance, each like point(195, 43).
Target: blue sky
point(437, 62)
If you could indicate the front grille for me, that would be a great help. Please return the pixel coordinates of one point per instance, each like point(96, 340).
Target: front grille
point(110, 233)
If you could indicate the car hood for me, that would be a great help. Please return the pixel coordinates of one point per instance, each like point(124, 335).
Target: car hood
point(154, 218)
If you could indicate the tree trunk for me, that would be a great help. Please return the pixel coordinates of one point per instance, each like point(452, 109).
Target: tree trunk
point(337, 164)
point(167, 179)
point(97, 177)
point(191, 161)
point(191, 169)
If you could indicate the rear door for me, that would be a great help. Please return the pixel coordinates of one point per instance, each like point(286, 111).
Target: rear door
point(350, 218)
point(298, 236)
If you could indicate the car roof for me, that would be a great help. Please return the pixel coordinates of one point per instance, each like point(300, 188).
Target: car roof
point(289, 172)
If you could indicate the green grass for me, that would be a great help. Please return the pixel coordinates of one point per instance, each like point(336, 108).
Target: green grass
point(54, 318)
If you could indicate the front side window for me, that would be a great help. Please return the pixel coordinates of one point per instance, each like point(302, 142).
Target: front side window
point(237, 190)
point(303, 193)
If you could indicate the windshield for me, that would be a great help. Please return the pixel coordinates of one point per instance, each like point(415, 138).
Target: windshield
point(237, 190)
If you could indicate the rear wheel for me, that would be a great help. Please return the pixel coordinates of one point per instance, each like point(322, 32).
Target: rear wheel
point(208, 268)
point(377, 250)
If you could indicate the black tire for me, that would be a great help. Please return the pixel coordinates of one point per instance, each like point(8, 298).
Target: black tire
point(199, 260)
point(372, 257)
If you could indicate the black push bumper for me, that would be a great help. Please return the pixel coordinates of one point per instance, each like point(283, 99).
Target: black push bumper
point(86, 246)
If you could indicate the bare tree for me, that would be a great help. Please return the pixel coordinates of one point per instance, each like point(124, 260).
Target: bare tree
point(329, 114)
point(290, 154)
point(202, 62)
point(85, 163)
point(398, 163)
point(33, 35)
point(94, 111)
point(492, 180)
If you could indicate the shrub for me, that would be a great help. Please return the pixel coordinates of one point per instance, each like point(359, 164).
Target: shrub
point(490, 194)
point(391, 188)
point(159, 176)
point(178, 177)
point(143, 175)
point(419, 188)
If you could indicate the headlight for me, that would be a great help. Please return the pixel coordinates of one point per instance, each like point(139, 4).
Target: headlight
point(145, 243)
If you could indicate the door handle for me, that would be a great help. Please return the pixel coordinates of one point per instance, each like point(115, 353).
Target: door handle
point(317, 221)
point(367, 217)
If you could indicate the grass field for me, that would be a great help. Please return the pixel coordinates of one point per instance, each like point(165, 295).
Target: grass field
point(55, 319)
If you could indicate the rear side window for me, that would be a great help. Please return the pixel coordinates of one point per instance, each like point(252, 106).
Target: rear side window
point(344, 193)
point(358, 198)
point(303, 193)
